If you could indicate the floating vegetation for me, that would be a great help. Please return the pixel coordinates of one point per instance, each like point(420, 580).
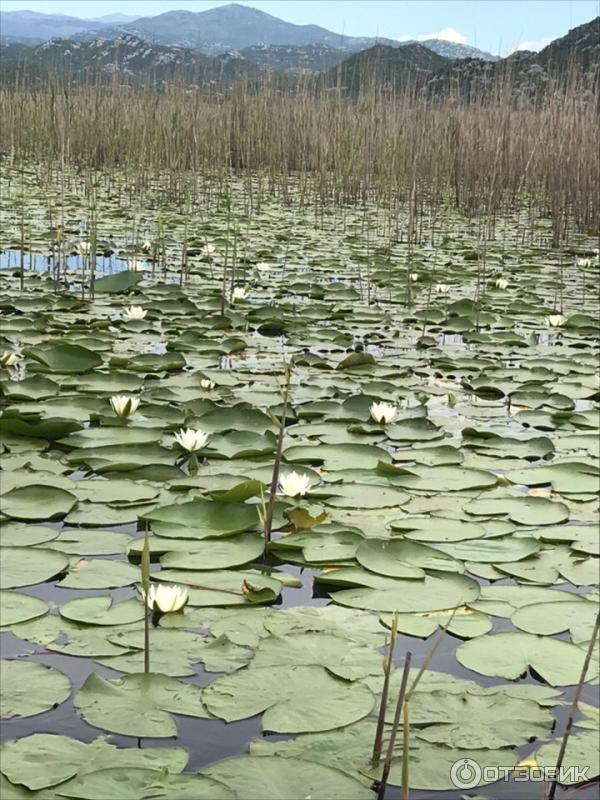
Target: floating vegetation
point(319, 447)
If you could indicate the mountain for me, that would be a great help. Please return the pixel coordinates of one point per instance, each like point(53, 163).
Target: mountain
point(128, 58)
point(454, 49)
point(307, 58)
point(30, 26)
point(115, 19)
point(234, 27)
point(385, 67)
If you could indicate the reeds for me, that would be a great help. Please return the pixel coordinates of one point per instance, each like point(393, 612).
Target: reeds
point(482, 152)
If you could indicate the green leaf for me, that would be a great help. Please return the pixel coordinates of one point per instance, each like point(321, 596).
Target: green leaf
point(138, 704)
point(294, 699)
point(24, 566)
point(37, 502)
point(29, 688)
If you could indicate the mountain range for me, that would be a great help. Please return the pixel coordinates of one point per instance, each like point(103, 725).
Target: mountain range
point(215, 31)
point(115, 53)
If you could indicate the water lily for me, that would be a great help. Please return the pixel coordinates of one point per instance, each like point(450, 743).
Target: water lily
point(133, 312)
point(84, 248)
point(165, 598)
point(239, 293)
point(584, 262)
point(554, 321)
point(383, 412)
point(124, 406)
point(8, 359)
point(293, 484)
point(414, 276)
point(206, 383)
point(191, 440)
point(441, 288)
point(263, 266)
point(501, 283)
point(209, 250)
point(147, 246)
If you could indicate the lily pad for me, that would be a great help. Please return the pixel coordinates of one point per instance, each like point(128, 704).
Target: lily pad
point(29, 688)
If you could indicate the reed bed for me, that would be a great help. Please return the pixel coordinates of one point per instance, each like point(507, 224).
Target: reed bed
point(484, 154)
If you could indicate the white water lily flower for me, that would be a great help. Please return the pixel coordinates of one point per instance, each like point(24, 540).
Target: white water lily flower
point(584, 262)
point(441, 288)
point(190, 439)
point(554, 321)
point(8, 359)
point(384, 412)
point(239, 293)
point(206, 383)
point(293, 484)
point(414, 276)
point(165, 598)
point(84, 248)
point(124, 406)
point(147, 246)
point(501, 283)
point(208, 249)
point(263, 266)
point(133, 312)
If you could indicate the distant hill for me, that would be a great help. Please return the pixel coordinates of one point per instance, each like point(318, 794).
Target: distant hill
point(127, 57)
point(384, 67)
point(30, 26)
point(226, 28)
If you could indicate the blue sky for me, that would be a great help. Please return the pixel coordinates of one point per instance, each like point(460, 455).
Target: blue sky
point(495, 25)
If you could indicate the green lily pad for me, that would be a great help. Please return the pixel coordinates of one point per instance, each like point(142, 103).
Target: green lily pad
point(37, 502)
point(29, 688)
point(17, 607)
point(24, 566)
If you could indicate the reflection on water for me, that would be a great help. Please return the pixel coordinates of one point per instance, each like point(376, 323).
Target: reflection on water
point(11, 259)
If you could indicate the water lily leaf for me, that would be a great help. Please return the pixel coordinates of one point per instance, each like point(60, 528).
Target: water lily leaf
point(44, 760)
point(339, 655)
point(466, 623)
point(446, 479)
point(17, 534)
point(17, 607)
point(508, 655)
point(84, 541)
point(60, 635)
point(430, 594)
point(531, 511)
point(36, 502)
point(216, 553)
point(241, 444)
point(479, 721)
point(24, 566)
point(30, 688)
point(255, 778)
point(400, 559)
point(567, 477)
point(337, 456)
point(503, 600)
point(490, 551)
point(577, 616)
point(223, 587)
point(200, 519)
point(355, 495)
point(138, 705)
point(63, 358)
point(112, 782)
point(102, 611)
point(294, 699)
point(437, 529)
point(581, 760)
point(120, 282)
point(100, 574)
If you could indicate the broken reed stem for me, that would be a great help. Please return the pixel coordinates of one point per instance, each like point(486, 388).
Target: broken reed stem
point(145, 566)
point(390, 750)
point(573, 709)
point(405, 745)
point(277, 463)
point(387, 671)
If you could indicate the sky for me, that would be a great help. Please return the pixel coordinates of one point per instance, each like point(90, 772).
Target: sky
point(498, 26)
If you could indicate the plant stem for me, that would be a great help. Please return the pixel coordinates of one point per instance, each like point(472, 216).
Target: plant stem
point(390, 751)
point(145, 590)
point(573, 709)
point(277, 463)
point(387, 671)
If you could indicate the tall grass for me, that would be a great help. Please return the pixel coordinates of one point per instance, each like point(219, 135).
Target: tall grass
point(483, 153)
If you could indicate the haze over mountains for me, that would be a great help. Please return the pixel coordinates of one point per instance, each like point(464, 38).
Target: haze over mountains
point(217, 30)
point(234, 42)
